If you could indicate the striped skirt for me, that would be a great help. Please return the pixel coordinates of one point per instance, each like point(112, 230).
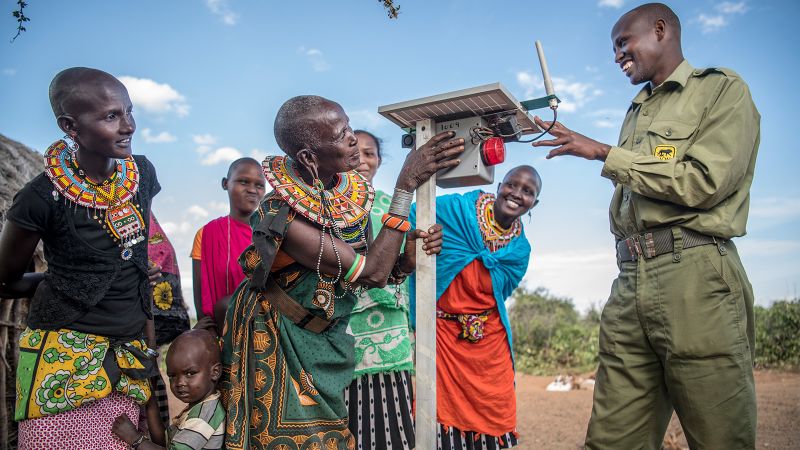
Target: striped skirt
point(452, 438)
point(379, 406)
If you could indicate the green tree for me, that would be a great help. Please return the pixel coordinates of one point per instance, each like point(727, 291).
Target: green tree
point(550, 336)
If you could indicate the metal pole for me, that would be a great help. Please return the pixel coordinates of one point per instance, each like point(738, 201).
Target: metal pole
point(426, 309)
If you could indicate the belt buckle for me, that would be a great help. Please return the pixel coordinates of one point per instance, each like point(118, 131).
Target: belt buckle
point(648, 246)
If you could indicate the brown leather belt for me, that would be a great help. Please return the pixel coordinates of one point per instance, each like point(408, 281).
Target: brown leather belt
point(294, 311)
point(654, 243)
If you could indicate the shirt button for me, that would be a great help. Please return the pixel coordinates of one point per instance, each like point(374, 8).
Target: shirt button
point(646, 112)
point(638, 140)
point(668, 132)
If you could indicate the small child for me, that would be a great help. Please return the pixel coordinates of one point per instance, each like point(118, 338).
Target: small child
point(215, 254)
point(193, 368)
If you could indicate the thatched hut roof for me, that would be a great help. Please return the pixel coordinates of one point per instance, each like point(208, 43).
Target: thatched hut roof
point(18, 165)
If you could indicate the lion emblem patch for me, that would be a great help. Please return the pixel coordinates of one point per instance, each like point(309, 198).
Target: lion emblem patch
point(664, 152)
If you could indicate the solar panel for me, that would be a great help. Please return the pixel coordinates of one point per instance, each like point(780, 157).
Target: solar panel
point(476, 101)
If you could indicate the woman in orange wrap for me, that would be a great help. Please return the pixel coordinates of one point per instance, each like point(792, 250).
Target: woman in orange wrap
point(484, 257)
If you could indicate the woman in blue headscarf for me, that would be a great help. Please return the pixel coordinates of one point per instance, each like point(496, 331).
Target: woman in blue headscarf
point(483, 259)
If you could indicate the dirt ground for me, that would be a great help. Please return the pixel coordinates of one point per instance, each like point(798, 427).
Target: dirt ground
point(557, 420)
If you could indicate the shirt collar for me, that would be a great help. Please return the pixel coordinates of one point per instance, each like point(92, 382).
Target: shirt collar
point(679, 76)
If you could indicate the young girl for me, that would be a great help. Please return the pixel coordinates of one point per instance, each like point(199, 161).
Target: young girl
point(83, 360)
point(217, 246)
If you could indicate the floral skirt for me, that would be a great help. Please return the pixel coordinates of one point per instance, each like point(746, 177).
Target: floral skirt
point(86, 427)
point(62, 370)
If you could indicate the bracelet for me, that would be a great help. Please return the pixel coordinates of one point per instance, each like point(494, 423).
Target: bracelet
point(139, 441)
point(396, 223)
point(356, 268)
point(398, 273)
point(401, 203)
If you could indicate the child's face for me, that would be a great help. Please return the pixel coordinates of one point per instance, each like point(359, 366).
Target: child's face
point(103, 124)
point(245, 187)
point(192, 376)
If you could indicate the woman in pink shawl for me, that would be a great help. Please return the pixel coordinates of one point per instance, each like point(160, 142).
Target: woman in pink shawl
point(217, 246)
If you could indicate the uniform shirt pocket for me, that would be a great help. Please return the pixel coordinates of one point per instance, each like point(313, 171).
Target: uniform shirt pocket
point(670, 139)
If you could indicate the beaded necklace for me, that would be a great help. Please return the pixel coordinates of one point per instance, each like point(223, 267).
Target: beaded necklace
point(110, 202)
point(494, 236)
point(342, 212)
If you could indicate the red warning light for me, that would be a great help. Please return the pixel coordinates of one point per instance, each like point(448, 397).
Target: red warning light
point(493, 151)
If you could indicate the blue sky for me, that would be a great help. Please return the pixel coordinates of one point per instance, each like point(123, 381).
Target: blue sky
point(207, 76)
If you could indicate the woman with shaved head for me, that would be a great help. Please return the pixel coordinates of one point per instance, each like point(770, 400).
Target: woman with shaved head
point(287, 356)
point(83, 360)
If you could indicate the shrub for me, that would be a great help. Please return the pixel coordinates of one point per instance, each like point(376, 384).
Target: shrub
point(778, 335)
point(549, 334)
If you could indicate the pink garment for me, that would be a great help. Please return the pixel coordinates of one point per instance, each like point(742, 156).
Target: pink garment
point(86, 427)
point(224, 239)
point(160, 250)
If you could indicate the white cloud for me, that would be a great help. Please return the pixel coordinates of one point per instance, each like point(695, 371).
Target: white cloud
point(573, 94)
point(732, 8)
point(556, 270)
point(766, 248)
point(591, 69)
point(222, 9)
point(204, 142)
point(220, 207)
point(316, 58)
point(159, 138)
point(258, 154)
point(176, 228)
point(220, 155)
point(155, 97)
point(710, 23)
point(197, 212)
point(775, 208)
point(367, 119)
point(611, 3)
point(9, 72)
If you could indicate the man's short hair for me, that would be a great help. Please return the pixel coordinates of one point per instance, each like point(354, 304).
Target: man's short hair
point(294, 122)
point(654, 11)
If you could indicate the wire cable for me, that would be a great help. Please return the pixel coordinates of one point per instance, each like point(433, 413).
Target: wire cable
point(555, 116)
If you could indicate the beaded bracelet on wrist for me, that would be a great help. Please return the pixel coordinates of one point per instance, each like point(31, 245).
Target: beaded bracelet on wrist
point(396, 223)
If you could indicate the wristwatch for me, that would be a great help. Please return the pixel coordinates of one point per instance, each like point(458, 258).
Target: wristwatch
point(139, 441)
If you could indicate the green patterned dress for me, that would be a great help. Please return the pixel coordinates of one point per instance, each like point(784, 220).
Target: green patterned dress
point(282, 385)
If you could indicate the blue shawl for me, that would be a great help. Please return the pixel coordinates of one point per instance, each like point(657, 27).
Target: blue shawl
point(463, 243)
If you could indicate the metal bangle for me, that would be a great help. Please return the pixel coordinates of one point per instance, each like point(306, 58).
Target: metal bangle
point(401, 203)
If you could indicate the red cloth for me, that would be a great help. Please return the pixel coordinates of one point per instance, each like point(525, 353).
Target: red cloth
point(224, 239)
point(474, 382)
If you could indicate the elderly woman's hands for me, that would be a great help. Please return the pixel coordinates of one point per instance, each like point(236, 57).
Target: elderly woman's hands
point(436, 154)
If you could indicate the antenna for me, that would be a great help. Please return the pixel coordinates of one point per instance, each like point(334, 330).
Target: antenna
point(548, 83)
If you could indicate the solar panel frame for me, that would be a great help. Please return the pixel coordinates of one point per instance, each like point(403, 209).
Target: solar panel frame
point(476, 101)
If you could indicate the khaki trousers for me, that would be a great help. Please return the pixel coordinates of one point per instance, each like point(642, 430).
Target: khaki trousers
point(677, 332)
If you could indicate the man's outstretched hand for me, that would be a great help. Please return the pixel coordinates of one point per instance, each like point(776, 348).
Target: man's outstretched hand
point(568, 142)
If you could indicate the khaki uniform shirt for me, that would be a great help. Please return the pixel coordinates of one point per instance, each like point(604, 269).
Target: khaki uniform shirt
point(686, 155)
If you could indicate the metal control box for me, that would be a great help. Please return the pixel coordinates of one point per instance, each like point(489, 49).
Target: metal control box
point(472, 171)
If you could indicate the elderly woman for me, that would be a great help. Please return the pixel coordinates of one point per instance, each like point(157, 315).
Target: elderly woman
point(286, 353)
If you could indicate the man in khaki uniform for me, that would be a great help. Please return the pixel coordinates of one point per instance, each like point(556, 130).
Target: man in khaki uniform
point(677, 331)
